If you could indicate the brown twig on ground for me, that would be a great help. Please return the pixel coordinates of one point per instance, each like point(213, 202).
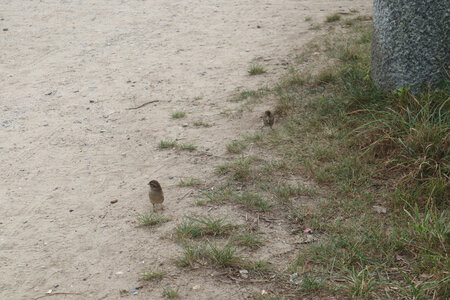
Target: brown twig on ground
point(54, 294)
point(142, 105)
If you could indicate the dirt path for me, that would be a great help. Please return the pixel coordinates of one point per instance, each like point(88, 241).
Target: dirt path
point(69, 144)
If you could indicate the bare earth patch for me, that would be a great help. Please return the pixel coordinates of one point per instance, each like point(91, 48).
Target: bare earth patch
point(76, 136)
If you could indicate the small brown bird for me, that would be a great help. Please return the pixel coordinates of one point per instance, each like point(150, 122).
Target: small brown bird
point(155, 194)
point(268, 119)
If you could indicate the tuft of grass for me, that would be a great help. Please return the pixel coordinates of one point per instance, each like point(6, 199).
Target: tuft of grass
point(155, 275)
point(285, 191)
point(325, 77)
point(214, 227)
point(250, 94)
point(347, 54)
point(349, 22)
point(256, 70)
point(360, 284)
point(171, 292)
point(189, 182)
point(192, 252)
point(202, 124)
point(219, 195)
point(178, 115)
point(240, 170)
point(201, 202)
point(167, 144)
point(253, 138)
point(429, 228)
point(333, 18)
point(198, 227)
point(189, 229)
point(189, 147)
point(151, 219)
point(252, 201)
point(224, 256)
point(311, 284)
point(297, 214)
point(248, 239)
point(174, 144)
point(294, 79)
point(236, 147)
point(308, 18)
point(315, 27)
point(220, 256)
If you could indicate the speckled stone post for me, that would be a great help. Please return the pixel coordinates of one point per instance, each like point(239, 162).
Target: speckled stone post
point(410, 43)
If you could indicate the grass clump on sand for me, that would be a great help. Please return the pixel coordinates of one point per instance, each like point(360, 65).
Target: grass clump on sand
point(151, 219)
point(172, 144)
point(333, 18)
point(155, 275)
point(198, 227)
point(256, 70)
point(178, 115)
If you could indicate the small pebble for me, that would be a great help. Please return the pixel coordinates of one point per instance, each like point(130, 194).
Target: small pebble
point(170, 177)
point(70, 210)
point(5, 29)
point(244, 273)
point(114, 201)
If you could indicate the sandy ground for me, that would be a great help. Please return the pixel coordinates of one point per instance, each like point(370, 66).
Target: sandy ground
point(69, 144)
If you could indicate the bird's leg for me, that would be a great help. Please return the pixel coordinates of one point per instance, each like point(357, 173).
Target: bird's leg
point(154, 208)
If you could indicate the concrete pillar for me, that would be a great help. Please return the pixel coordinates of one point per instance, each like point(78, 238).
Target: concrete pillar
point(410, 43)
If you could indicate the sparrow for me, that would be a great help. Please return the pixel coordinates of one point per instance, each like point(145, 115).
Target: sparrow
point(268, 119)
point(155, 194)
